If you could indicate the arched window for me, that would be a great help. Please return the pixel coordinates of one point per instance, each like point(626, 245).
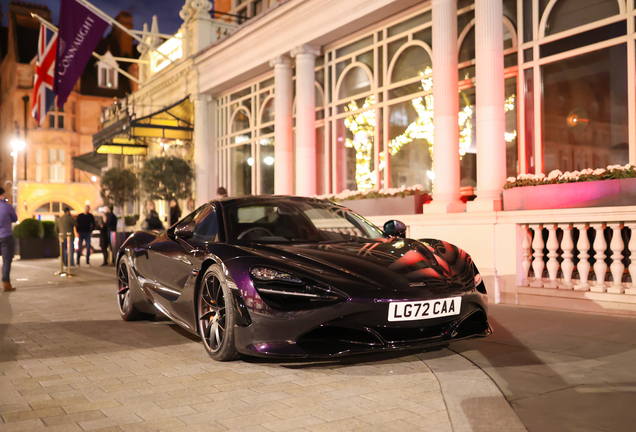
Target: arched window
point(267, 111)
point(411, 63)
point(568, 14)
point(240, 121)
point(355, 81)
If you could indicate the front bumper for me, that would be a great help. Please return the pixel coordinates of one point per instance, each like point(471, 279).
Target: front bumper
point(355, 327)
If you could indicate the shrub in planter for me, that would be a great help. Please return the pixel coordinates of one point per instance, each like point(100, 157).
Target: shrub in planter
point(29, 228)
point(51, 241)
point(29, 235)
point(131, 220)
point(49, 229)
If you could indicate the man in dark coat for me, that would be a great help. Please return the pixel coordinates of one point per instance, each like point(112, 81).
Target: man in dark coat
point(85, 227)
point(111, 224)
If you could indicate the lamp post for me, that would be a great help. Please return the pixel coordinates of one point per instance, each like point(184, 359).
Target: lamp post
point(17, 145)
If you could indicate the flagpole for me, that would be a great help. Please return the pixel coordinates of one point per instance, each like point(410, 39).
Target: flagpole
point(51, 27)
point(106, 17)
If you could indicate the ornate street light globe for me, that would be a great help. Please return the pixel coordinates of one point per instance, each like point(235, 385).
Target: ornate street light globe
point(18, 145)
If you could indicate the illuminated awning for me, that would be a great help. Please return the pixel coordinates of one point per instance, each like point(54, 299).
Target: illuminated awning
point(91, 163)
point(129, 136)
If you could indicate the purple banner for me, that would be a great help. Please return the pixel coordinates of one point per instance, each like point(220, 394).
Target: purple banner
point(79, 33)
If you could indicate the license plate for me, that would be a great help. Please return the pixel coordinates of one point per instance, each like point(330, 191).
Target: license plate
point(420, 310)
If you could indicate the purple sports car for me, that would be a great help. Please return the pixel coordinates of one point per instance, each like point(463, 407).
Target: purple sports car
point(286, 276)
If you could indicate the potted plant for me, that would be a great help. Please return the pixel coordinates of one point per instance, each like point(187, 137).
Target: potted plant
point(29, 234)
point(383, 202)
point(51, 242)
point(614, 186)
point(167, 177)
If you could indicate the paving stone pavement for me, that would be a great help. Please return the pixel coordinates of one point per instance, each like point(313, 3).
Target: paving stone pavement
point(69, 363)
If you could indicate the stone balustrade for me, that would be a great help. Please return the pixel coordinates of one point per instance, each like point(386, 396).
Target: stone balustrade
point(598, 257)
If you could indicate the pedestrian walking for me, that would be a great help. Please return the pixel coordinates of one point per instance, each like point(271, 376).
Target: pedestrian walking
point(7, 244)
point(221, 192)
point(153, 221)
point(111, 224)
point(175, 212)
point(66, 225)
point(103, 238)
point(85, 227)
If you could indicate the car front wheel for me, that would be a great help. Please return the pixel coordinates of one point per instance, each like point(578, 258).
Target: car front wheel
point(216, 317)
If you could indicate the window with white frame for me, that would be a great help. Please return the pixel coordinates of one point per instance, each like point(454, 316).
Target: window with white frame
point(107, 76)
point(56, 165)
point(576, 101)
point(56, 117)
point(245, 138)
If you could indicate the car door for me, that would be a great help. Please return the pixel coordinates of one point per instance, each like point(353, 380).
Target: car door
point(175, 260)
point(170, 259)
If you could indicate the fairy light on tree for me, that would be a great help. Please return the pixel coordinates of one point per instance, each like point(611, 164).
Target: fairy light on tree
point(362, 126)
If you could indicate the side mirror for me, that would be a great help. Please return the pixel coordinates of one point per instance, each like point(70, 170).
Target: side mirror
point(184, 230)
point(395, 228)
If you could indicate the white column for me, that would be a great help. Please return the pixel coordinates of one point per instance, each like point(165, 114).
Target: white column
point(537, 264)
point(446, 109)
point(491, 120)
point(202, 148)
point(600, 268)
point(632, 257)
point(553, 264)
point(283, 126)
point(305, 119)
point(567, 266)
point(526, 260)
point(617, 267)
point(583, 267)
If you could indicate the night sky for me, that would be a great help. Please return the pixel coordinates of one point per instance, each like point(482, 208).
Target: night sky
point(167, 11)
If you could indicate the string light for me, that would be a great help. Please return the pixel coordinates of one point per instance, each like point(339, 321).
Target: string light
point(362, 126)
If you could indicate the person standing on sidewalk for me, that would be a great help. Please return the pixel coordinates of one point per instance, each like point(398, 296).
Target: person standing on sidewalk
point(7, 244)
point(66, 225)
point(85, 227)
point(111, 224)
point(175, 212)
point(103, 238)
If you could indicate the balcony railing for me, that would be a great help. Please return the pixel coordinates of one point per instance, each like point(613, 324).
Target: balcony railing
point(587, 256)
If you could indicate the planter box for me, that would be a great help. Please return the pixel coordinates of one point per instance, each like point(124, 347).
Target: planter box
point(30, 248)
point(411, 204)
point(51, 247)
point(601, 193)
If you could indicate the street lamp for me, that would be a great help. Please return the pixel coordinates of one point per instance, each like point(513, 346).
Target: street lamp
point(17, 145)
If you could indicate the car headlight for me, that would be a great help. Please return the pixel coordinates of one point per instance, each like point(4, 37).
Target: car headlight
point(271, 275)
point(286, 292)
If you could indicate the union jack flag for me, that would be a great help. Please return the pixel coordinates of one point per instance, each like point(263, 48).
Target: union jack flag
point(43, 96)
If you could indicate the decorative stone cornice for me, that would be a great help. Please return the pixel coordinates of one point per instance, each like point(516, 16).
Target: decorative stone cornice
point(284, 60)
point(194, 9)
point(306, 49)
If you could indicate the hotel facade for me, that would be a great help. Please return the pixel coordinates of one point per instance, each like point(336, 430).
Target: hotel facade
point(314, 98)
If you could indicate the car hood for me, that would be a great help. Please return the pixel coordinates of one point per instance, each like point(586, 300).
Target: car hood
point(384, 262)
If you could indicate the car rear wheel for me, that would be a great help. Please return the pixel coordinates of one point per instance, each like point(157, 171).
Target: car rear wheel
point(127, 309)
point(216, 317)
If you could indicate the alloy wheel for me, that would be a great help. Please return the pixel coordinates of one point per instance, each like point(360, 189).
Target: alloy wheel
point(123, 288)
point(212, 314)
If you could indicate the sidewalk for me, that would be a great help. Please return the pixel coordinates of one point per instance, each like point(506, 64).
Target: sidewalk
point(69, 363)
point(561, 371)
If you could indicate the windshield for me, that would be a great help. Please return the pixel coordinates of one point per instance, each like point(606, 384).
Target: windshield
point(296, 221)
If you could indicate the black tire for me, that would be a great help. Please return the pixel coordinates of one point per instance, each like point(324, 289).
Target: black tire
point(127, 309)
point(215, 316)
